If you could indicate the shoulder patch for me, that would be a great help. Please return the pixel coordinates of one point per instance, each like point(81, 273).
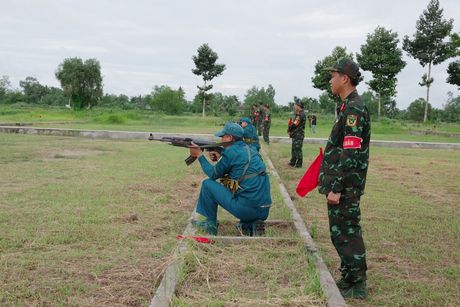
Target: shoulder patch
point(352, 120)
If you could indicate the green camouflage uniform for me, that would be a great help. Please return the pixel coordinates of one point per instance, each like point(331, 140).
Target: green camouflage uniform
point(344, 170)
point(297, 133)
point(260, 122)
point(266, 126)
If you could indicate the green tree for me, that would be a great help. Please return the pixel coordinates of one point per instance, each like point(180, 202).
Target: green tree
point(370, 101)
point(382, 57)
point(451, 112)
point(206, 67)
point(416, 110)
point(310, 104)
point(453, 70)
point(326, 103)
point(54, 96)
point(454, 73)
point(260, 96)
point(322, 77)
point(5, 87)
point(33, 90)
point(167, 100)
point(81, 81)
point(428, 45)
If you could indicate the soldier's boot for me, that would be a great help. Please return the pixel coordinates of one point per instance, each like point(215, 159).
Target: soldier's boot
point(357, 290)
point(343, 284)
point(210, 227)
point(251, 229)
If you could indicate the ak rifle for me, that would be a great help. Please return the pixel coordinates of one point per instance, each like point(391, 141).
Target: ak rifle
point(187, 142)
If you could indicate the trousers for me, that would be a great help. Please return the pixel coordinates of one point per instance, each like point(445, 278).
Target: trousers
point(213, 194)
point(346, 236)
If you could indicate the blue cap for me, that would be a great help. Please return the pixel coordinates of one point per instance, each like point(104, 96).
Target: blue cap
point(245, 120)
point(231, 129)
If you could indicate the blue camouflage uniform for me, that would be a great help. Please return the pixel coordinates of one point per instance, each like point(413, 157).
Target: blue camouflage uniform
point(250, 134)
point(239, 162)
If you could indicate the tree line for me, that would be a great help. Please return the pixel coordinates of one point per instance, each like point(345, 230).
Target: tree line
point(433, 43)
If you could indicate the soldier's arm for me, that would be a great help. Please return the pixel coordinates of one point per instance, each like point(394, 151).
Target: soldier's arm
point(215, 171)
point(353, 123)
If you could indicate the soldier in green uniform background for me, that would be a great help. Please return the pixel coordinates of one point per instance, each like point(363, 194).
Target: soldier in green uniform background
point(296, 131)
point(266, 122)
point(255, 117)
point(260, 119)
point(343, 176)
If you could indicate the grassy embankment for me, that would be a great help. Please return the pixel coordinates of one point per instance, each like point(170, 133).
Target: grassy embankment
point(103, 119)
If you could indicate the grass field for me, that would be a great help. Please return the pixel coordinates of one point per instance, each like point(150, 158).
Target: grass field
point(104, 119)
point(93, 222)
point(88, 222)
point(410, 220)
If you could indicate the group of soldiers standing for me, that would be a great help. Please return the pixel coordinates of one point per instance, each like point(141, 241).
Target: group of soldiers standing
point(244, 188)
point(261, 119)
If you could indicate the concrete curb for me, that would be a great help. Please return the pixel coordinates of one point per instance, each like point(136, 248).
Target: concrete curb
point(334, 298)
point(108, 134)
point(167, 287)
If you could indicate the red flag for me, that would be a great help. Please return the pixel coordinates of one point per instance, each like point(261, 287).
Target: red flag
point(290, 121)
point(309, 180)
point(196, 238)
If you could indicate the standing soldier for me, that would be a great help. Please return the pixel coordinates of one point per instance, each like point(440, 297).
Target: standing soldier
point(255, 115)
point(260, 119)
point(343, 176)
point(313, 123)
point(296, 131)
point(266, 123)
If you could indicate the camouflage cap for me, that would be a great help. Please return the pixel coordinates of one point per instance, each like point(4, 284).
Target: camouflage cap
point(231, 129)
point(347, 67)
point(299, 103)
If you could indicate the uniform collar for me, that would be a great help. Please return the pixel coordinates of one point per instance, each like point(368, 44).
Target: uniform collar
point(351, 96)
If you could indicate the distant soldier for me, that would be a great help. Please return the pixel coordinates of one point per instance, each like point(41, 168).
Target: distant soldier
point(343, 176)
point(296, 131)
point(255, 117)
point(266, 123)
point(250, 134)
point(312, 120)
point(260, 122)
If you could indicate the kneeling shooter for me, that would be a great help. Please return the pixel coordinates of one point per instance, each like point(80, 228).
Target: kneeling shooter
point(246, 193)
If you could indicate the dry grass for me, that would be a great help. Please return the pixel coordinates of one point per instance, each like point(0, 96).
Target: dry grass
point(410, 219)
point(88, 222)
point(251, 274)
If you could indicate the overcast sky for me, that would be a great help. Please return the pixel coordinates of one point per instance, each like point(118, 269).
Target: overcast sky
point(141, 44)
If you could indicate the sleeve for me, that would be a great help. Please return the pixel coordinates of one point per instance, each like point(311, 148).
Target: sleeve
point(352, 123)
point(215, 171)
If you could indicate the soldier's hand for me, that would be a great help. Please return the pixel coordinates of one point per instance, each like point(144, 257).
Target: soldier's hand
point(333, 198)
point(214, 155)
point(195, 150)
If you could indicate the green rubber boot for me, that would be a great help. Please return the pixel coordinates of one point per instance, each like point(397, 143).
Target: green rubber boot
point(357, 290)
point(343, 284)
point(210, 227)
